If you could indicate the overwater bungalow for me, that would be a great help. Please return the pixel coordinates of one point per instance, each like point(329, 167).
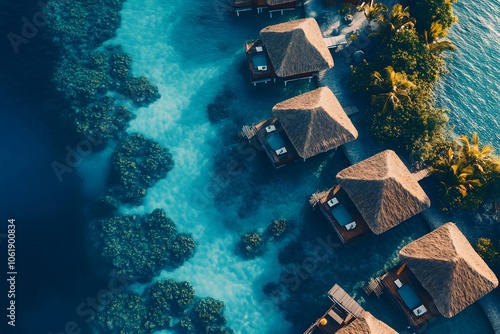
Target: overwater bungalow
point(292, 50)
point(302, 127)
point(375, 194)
point(440, 274)
point(346, 316)
point(272, 5)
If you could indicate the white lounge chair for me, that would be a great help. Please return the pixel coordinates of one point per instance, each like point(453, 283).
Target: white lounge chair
point(334, 201)
point(270, 128)
point(281, 151)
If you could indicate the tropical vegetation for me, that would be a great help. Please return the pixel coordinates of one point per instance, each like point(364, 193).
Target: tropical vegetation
point(468, 173)
point(489, 250)
point(397, 79)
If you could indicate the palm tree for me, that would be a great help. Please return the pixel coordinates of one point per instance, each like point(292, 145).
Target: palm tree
point(434, 41)
point(455, 174)
point(398, 20)
point(376, 12)
point(392, 89)
point(475, 156)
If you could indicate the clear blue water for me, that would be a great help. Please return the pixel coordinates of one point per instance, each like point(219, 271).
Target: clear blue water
point(472, 90)
point(192, 54)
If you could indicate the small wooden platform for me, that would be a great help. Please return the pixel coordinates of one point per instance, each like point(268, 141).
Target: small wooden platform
point(261, 135)
point(345, 235)
point(263, 73)
point(344, 310)
point(405, 276)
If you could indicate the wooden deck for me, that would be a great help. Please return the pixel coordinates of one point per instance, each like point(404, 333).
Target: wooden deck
point(261, 135)
point(407, 277)
point(344, 310)
point(259, 75)
point(344, 234)
point(336, 318)
point(260, 5)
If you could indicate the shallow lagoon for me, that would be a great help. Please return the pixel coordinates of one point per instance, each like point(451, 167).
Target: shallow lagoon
point(193, 54)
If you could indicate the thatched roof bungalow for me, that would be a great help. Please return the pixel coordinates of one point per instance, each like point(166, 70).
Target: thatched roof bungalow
point(375, 194)
point(449, 269)
point(295, 49)
point(366, 323)
point(304, 126)
point(383, 190)
point(315, 122)
point(440, 274)
point(346, 316)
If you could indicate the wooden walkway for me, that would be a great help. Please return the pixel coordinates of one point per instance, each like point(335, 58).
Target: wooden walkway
point(341, 298)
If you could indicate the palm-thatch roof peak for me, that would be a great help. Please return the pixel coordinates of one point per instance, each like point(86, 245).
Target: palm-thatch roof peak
point(383, 190)
point(449, 269)
point(296, 47)
point(366, 323)
point(315, 122)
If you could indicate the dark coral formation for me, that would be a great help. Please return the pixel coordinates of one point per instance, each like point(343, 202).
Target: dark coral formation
point(137, 163)
point(165, 304)
point(140, 246)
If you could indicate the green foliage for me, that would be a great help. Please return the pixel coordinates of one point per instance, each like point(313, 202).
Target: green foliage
point(251, 244)
point(125, 313)
point(392, 23)
point(277, 228)
point(490, 252)
point(140, 246)
point(345, 9)
point(466, 172)
point(398, 78)
point(427, 12)
point(415, 126)
point(136, 164)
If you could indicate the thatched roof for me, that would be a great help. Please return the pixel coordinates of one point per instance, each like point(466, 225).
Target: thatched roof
point(383, 190)
point(366, 324)
point(296, 47)
point(315, 122)
point(278, 2)
point(449, 269)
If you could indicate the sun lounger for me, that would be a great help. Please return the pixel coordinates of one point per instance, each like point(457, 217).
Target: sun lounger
point(351, 226)
point(333, 202)
point(420, 310)
point(270, 128)
point(281, 151)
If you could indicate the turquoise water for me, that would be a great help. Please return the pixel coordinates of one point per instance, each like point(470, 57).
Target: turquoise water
point(472, 90)
point(193, 53)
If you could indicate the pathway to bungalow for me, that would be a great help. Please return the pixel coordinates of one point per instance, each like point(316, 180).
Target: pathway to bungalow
point(364, 147)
